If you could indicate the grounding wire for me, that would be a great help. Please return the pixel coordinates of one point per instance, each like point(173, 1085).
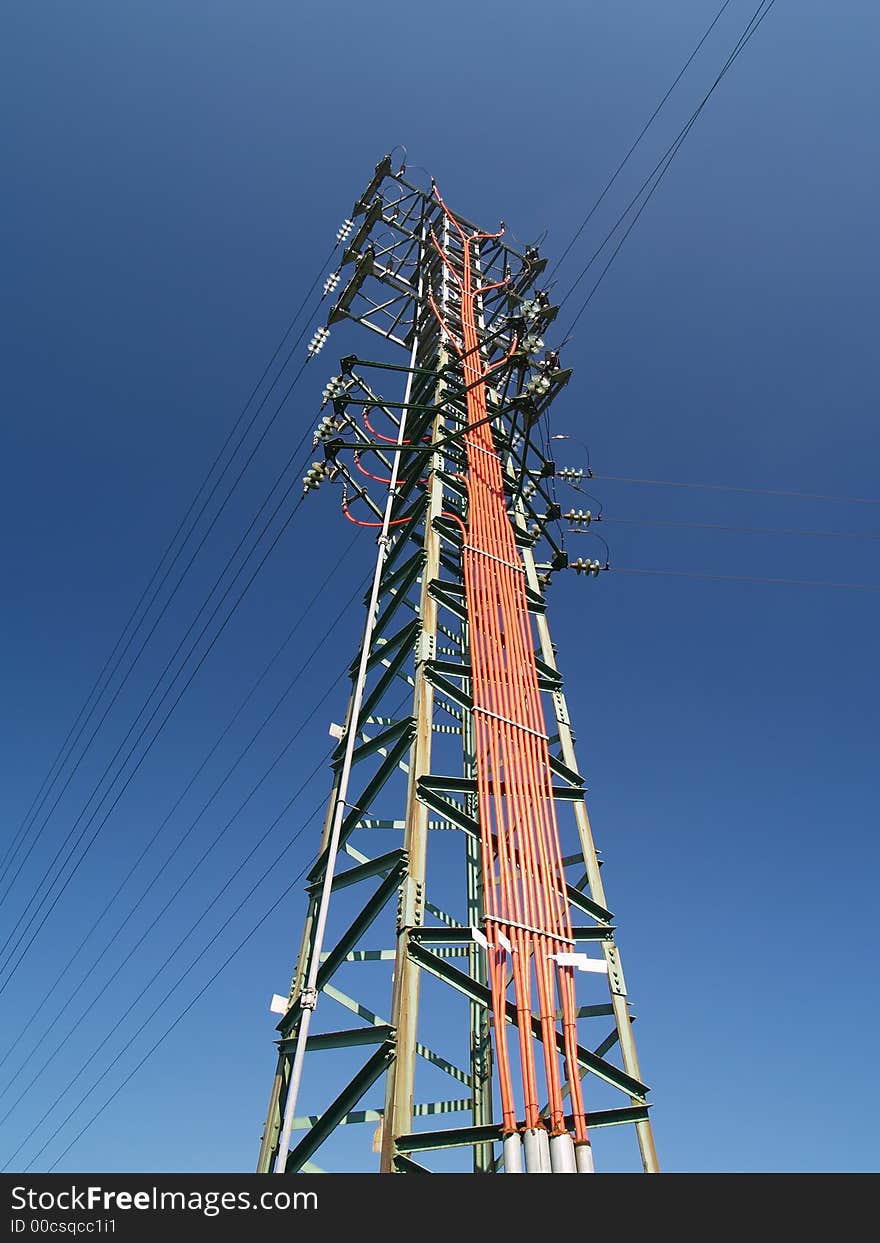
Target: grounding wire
point(40, 796)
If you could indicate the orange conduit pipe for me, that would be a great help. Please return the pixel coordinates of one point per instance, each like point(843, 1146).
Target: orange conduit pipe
point(524, 894)
point(369, 474)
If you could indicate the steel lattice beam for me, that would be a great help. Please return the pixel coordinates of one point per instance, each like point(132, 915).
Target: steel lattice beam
point(398, 762)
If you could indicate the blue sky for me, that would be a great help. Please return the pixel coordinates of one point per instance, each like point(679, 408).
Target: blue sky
point(174, 173)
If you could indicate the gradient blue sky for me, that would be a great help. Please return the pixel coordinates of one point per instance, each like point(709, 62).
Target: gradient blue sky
point(173, 173)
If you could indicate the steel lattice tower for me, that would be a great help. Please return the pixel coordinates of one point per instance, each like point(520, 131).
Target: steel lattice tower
point(454, 960)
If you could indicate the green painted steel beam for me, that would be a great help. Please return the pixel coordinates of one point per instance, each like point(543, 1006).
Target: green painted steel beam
point(468, 785)
point(395, 579)
point(449, 599)
point(548, 678)
point(448, 564)
point(443, 916)
point(347, 1039)
point(346, 944)
point(388, 955)
point(373, 786)
point(422, 1109)
point(362, 922)
point(403, 1165)
point(447, 688)
point(336, 1111)
point(454, 484)
point(429, 1055)
point(608, 1043)
point(398, 598)
point(437, 423)
point(415, 512)
point(404, 638)
point(464, 1136)
point(400, 541)
point(364, 871)
point(451, 595)
point(567, 774)
point(480, 993)
point(401, 578)
point(379, 742)
point(454, 1137)
point(617, 1117)
point(581, 902)
point(392, 672)
point(447, 809)
point(354, 361)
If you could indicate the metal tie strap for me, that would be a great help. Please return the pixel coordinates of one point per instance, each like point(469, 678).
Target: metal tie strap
point(507, 721)
point(540, 932)
point(512, 565)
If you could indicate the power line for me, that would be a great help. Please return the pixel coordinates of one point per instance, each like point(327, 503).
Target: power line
point(727, 487)
point(146, 932)
point(22, 830)
point(586, 220)
point(139, 762)
point(156, 622)
point(286, 848)
point(716, 526)
point(248, 936)
point(165, 694)
point(183, 1013)
point(137, 1000)
point(665, 161)
point(748, 578)
point(149, 845)
point(171, 659)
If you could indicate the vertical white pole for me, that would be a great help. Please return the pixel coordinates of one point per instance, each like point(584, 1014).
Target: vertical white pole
point(309, 996)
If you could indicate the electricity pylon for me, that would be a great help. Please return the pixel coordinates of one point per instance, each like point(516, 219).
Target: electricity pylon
point(458, 956)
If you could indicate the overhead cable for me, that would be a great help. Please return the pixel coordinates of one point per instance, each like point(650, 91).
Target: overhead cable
point(737, 530)
point(749, 578)
point(132, 907)
point(729, 487)
point(83, 715)
point(165, 694)
point(655, 177)
point(589, 216)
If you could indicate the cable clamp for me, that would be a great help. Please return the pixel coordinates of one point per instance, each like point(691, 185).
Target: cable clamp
point(308, 999)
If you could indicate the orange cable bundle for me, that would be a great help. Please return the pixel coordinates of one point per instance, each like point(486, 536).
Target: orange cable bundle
point(523, 877)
